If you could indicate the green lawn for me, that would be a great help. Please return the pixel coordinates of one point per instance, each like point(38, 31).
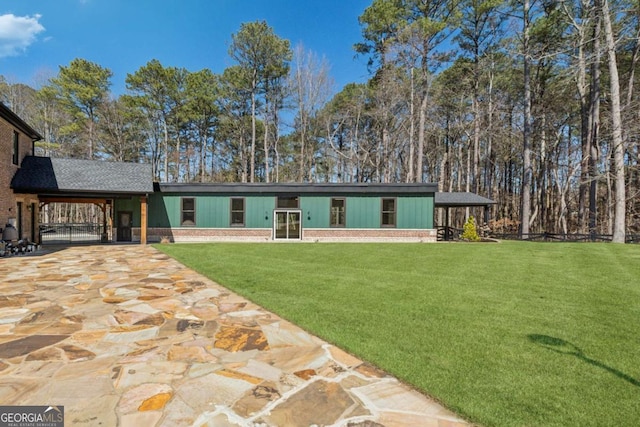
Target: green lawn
point(511, 333)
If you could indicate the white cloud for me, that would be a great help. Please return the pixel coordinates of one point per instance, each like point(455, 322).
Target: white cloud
point(17, 33)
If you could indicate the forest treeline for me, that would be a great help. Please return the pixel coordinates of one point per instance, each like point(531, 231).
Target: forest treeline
point(504, 99)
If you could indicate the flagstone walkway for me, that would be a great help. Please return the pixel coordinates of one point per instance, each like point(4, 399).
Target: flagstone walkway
point(126, 336)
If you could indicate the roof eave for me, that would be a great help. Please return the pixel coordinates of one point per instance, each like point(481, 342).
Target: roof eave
point(48, 192)
point(16, 121)
point(296, 188)
point(462, 204)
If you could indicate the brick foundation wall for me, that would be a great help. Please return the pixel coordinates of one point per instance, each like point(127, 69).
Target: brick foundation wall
point(206, 234)
point(308, 235)
point(369, 235)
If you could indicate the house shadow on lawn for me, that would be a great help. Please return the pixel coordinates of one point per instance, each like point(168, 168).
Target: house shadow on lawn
point(565, 347)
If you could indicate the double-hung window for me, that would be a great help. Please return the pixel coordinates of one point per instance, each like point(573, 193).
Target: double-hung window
point(188, 212)
point(388, 213)
point(338, 213)
point(237, 212)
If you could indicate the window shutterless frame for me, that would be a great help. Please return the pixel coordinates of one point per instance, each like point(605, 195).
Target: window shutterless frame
point(338, 213)
point(16, 148)
point(237, 215)
point(388, 207)
point(187, 212)
point(287, 202)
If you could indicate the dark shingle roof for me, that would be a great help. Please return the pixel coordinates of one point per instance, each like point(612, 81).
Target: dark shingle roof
point(46, 175)
point(461, 199)
point(297, 188)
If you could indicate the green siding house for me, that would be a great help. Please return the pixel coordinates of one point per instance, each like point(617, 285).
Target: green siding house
point(134, 208)
point(309, 212)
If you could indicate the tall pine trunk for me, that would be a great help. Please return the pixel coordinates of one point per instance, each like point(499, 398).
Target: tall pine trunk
point(252, 165)
point(411, 175)
point(619, 212)
point(594, 129)
point(525, 193)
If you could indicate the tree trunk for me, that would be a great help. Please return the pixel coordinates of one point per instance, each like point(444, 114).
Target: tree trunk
point(476, 120)
point(421, 136)
point(91, 135)
point(176, 177)
point(203, 151)
point(266, 147)
point(252, 165)
point(585, 137)
point(166, 149)
point(243, 158)
point(411, 175)
point(490, 161)
point(302, 113)
point(619, 213)
point(594, 129)
point(525, 202)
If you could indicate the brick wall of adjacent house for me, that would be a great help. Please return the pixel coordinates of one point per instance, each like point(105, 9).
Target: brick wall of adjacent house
point(8, 200)
point(308, 234)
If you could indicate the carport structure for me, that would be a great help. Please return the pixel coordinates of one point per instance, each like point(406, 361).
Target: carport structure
point(94, 182)
point(459, 200)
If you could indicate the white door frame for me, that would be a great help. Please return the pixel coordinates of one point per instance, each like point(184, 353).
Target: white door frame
point(289, 227)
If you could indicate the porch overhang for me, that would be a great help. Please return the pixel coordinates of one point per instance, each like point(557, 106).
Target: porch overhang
point(460, 200)
point(85, 181)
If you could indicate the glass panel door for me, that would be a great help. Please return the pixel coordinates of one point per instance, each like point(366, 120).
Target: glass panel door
point(280, 226)
point(293, 225)
point(286, 224)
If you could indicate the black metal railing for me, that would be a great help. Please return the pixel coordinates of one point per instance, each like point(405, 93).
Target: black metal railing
point(450, 233)
point(72, 233)
point(563, 237)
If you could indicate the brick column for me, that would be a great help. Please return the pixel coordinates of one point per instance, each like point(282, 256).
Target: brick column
point(143, 220)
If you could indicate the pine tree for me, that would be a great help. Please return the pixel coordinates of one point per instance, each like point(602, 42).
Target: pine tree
point(470, 232)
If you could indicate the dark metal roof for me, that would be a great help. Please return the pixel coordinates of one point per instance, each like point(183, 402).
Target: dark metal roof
point(44, 175)
point(16, 121)
point(462, 199)
point(297, 188)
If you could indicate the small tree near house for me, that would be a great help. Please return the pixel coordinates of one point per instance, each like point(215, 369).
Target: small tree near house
point(470, 232)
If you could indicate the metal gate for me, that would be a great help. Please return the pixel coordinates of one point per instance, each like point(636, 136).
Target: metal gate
point(72, 233)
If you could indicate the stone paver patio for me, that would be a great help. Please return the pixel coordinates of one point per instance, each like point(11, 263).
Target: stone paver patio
point(126, 336)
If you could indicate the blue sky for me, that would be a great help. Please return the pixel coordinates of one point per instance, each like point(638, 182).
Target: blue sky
point(37, 36)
